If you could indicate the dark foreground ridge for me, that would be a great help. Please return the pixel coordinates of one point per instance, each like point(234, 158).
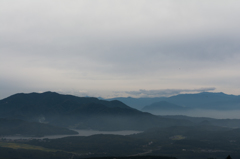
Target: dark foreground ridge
point(135, 157)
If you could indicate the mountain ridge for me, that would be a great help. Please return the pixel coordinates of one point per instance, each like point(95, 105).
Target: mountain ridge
point(79, 112)
point(203, 100)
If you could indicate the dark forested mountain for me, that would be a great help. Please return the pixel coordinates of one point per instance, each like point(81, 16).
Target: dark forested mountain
point(79, 112)
point(20, 127)
point(50, 103)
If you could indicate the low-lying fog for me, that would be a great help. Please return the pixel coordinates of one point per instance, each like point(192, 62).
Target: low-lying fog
point(80, 133)
point(218, 114)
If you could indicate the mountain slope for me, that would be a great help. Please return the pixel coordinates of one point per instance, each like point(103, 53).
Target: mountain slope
point(137, 103)
point(50, 103)
point(20, 127)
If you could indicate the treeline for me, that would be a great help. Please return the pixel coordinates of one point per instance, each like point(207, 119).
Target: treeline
point(9, 153)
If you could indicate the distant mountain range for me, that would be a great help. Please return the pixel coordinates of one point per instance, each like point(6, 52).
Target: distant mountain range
point(79, 112)
point(91, 113)
point(184, 102)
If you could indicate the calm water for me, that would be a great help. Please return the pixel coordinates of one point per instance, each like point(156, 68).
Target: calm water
point(81, 133)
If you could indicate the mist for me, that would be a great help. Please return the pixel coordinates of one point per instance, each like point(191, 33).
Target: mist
point(217, 114)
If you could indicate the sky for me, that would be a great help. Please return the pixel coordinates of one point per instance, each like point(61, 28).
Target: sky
point(113, 48)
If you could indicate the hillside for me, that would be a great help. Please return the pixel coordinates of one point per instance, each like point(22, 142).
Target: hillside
point(137, 103)
point(23, 128)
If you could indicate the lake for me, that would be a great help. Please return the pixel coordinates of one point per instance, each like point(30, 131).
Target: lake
point(80, 133)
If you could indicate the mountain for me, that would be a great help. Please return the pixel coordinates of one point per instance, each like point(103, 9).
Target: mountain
point(36, 105)
point(20, 127)
point(79, 112)
point(204, 100)
point(207, 100)
point(137, 103)
point(163, 106)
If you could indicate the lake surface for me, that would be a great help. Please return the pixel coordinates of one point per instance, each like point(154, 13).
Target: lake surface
point(80, 133)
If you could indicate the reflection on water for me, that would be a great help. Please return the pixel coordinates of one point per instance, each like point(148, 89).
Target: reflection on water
point(80, 133)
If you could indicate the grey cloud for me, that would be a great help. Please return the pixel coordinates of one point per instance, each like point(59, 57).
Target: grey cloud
point(115, 42)
point(166, 92)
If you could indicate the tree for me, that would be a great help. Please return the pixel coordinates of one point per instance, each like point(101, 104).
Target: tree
point(229, 157)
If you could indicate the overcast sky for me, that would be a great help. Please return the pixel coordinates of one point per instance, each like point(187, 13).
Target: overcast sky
point(114, 48)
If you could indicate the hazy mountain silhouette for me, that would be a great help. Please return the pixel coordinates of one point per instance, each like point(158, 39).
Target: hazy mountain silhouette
point(207, 100)
point(204, 100)
point(164, 106)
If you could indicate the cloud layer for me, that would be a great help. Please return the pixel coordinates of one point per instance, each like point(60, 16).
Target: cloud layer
point(101, 47)
point(165, 92)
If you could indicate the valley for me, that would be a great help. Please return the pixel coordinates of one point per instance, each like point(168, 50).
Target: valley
point(64, 126)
